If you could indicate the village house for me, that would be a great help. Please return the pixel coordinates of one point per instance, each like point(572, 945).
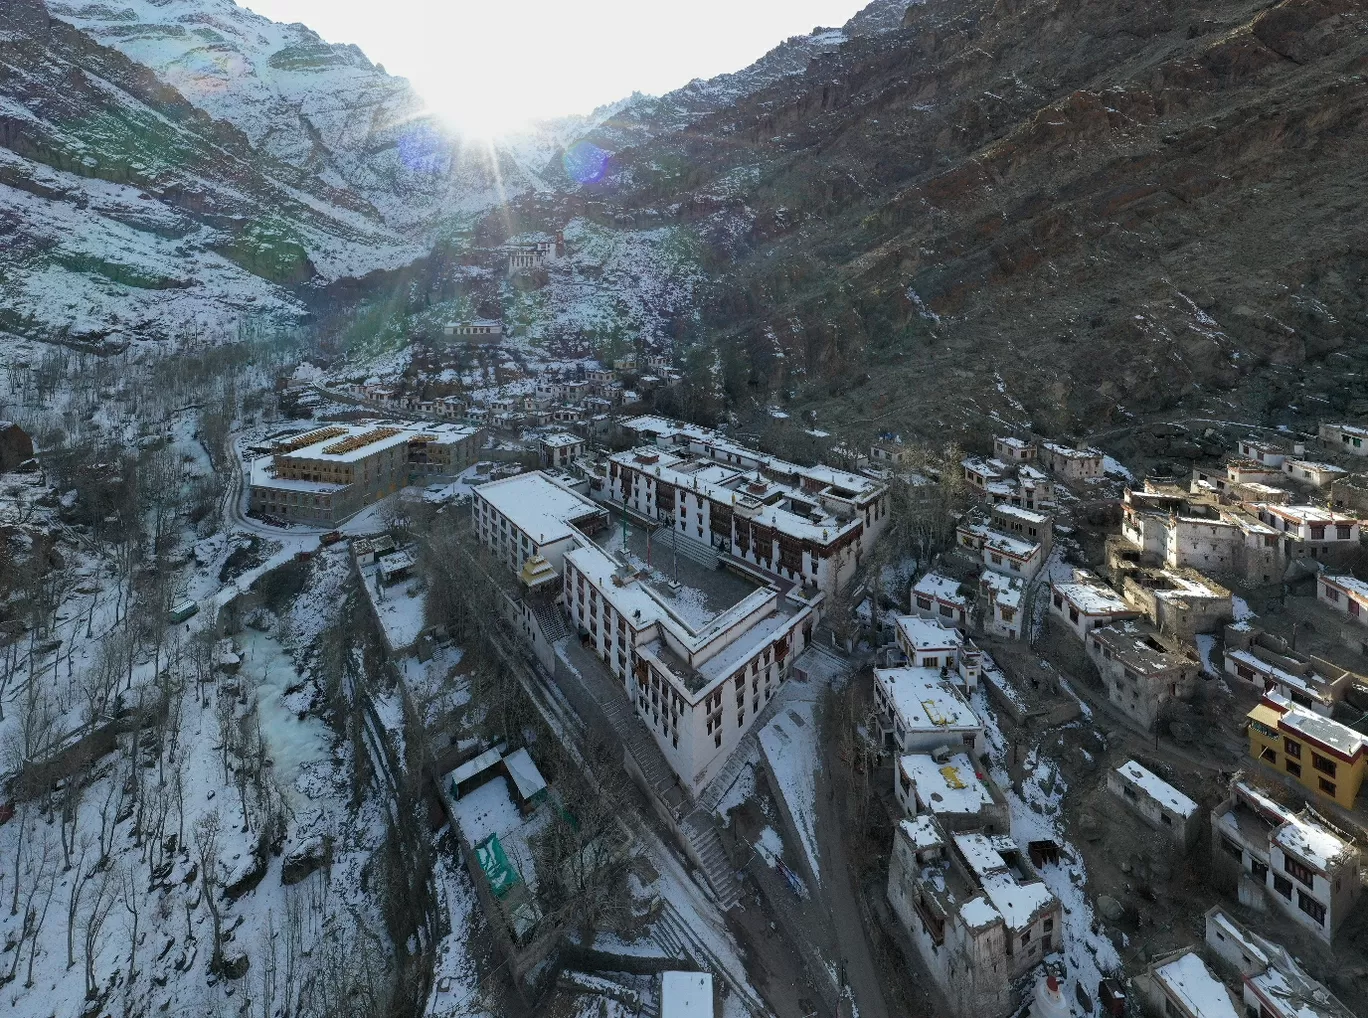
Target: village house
point(804, 525)
point(1268, 454)
point(531, 515)
point(1024, 524)
point(1179, 985)
point(559, 450)
point(1000, 604)
point(1180, 601)
point(1349, 438)
point(890, 453)
point(981, 473)
point(935, 596)
point(978, 912)
point(998, 551)
point(1318, 475)
point(1013, 450)
point(1326, 757)
point(1086, 603)
point(921, 711)
point(1296, 863)
point(1068, 463)
point(1142, 669)
point(953, 789)
point(523, 257)
point(479, 331)
point(325, 476)
point(1308, 530)
point(928, 643)
point(1016, 482)
point(1157, 802)
point(1175, 529)
point(1273, 984)
point(700, 688)
point(1268, 664)
point(1344, 593)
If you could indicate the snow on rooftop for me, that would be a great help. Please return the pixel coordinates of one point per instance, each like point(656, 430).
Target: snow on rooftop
point(1157, 788)
point(537, 505)
point(922, 832)
point(1016, 901)
point(950, 787)
point(1326, 731)
point(686, 995)
point(561, 440)
point(978, 913)
point(1189, 981)
point(526, 778)
point(1350, 584)
point(928, 634)
point(1093, 599)
point(1311, 842)
point(945, 588)
point(924, 701)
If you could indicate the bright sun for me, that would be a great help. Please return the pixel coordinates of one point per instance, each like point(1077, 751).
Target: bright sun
point(489, 68)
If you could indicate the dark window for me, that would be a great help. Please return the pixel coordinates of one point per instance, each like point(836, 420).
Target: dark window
point(1231, 849)
point(1328, 787)
point(1322, 764)
point(1260, 871)
point(1299, 871)
point(1283, 886)
point(1293, 749)
point(1293, 769)
point(1311, 907)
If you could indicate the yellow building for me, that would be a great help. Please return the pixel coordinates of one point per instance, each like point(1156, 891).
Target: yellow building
point(1327, 757)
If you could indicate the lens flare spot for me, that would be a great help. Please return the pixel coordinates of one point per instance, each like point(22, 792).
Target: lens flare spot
point(585, 162)
point(422, 149)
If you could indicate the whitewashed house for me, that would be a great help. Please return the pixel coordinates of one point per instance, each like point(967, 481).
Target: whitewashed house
point(1157, 802)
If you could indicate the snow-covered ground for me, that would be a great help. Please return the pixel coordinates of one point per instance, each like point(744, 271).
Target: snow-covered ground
point(1036, 815)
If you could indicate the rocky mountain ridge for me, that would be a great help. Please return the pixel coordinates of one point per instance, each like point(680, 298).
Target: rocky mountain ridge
point(1060, 212)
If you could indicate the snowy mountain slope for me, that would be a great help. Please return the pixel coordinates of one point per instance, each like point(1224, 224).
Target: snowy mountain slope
point(128, 213)
point(320, 107)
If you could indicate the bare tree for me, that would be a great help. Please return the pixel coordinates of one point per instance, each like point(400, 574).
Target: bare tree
point(207, 832)
point(78, 883)
point(98, 907)
point(131, 894)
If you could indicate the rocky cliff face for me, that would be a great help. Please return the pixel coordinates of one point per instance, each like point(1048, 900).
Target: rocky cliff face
point(1064, 212)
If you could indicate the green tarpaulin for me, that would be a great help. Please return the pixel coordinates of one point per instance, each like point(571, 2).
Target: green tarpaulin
point(498, 870)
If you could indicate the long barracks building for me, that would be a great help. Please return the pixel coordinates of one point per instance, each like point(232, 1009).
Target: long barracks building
point(807, 525)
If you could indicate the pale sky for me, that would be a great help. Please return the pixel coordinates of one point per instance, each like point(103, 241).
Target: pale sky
point(488, 65)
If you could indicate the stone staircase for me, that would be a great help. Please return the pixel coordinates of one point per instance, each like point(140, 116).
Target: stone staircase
point(668, 542)
point(595, 696)
point(550, 619)
point(700, 830)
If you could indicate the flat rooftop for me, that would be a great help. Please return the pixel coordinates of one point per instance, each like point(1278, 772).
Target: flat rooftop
point(924, 701)
point(538, 506)
point(1157, 788)
point(1093, 598)
point(849, 484)
point(950, 787)
point(1189, 981)
point(1016, 895)
point(944, 587)
point(928, 634)
point(787, 509)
